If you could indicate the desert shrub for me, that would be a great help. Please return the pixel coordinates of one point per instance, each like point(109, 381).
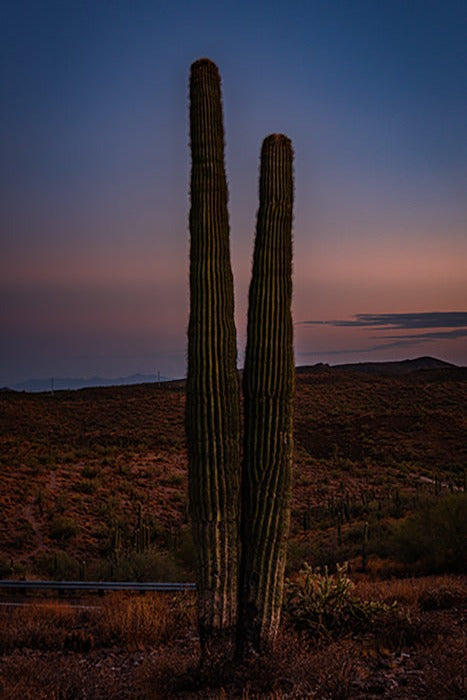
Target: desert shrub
point(18, 569)
point(185, 554)
point(174, 480)
point(88, 486)
point(379, 533)
point(89, 471)
point(47, 460)
point(441, 598)
point(6, 567)
point(153, 566)
point(150, 565)
point(34, 465)
point(60, 566)
point(62, 528)
point(23, 535)
point(434, 538)
point(69, 456)
point(324, 604)
point(79, 640)
point(60, 504)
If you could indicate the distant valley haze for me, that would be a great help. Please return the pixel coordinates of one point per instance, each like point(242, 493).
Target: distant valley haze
point(94, 172)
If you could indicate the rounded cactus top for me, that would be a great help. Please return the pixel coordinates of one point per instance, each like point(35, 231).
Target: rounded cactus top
point(276, 140)
point(204, 65)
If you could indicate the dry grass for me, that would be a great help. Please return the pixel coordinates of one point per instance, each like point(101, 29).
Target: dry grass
point(408, 591)
point(139, 622)
point(119, 620)
point(40, 625)
point(146, 648)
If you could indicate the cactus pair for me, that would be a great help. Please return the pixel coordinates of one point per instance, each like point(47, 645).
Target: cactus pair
point(239, 505)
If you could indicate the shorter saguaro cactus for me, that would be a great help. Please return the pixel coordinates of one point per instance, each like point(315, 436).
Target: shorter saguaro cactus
point(268, 383)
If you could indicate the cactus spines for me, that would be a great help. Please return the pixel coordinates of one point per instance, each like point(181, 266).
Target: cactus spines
point(268, 384)
point(213, 404)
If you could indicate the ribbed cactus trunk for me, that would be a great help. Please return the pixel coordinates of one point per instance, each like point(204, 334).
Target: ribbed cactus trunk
point(268, 384)
point(213, 404)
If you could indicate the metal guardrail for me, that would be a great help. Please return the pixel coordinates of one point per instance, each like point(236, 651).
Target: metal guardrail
point(96, 586)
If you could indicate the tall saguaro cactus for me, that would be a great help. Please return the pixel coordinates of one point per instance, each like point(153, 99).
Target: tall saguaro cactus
point(268, 383)
point(249, 582)
point(213, 405)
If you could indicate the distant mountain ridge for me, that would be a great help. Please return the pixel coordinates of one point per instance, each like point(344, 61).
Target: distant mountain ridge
point(397, 367)
point(59, 384)
point(390, 368)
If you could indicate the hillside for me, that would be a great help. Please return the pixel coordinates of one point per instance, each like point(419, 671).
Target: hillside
point(93, 485)
point(393, 368)
point(83, 471)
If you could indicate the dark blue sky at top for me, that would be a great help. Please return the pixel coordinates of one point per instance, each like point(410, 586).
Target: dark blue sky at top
point(94, 140)
point(94, 74)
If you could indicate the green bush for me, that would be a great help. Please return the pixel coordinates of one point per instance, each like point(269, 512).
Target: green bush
point(6, 567)
point(62, 528)
point(434, 538)
point(34, 465)
point(88, 486)
point(442, 598)
point(60, 566)
point(323, 604)
point(150, 565)
point(153, 566)
point(185, 554)
point(24, 534)
point(89, 472)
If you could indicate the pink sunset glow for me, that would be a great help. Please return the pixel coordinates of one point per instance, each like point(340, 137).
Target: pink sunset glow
point(95, 172)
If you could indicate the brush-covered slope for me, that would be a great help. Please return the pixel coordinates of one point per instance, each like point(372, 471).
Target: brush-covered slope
point(81, 469)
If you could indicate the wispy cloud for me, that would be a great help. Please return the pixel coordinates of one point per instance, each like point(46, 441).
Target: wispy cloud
point(437, 335)
point(456, 320)
point(416, 340)
point(413, 321)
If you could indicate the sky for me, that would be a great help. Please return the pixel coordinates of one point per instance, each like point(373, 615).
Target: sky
point(95, 167)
